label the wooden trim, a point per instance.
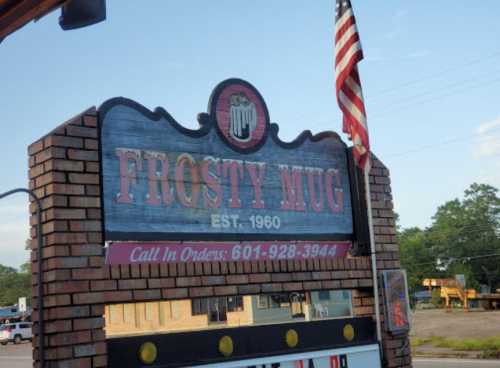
(23, 12)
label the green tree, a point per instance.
(14, 284)
(463, 231)
(417, 257)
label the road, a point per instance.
(19, 356)
(455, 363)
(16, 356)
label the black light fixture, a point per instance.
(81, 13)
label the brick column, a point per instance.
(64, 172)
(396, 349)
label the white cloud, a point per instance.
(488, 139)
(488, 126)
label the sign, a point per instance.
(175, 252)
(352, 357)
(460, 279)
(397, 309)
(230, 179)
(21, 304)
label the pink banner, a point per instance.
(186, 252)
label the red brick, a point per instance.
(35, 147)
(92, 167)
(88, 323)
(132, 284)
(74, 154)
(149, 294)
(249, 289)
(68, 287)
(87, 250)
(85, 225)
(61, 325)
(69, 312)
(281, 277)
(50, 177)
(70, 338)
(271, 288)
(83, 178)
(100, 285)
(102, 297)
(237, 279)
(91, 144)
(259, 278)
(67, 262)
(65, 214)
(213, 280)
(177, 293)
(69, 189)
(64, 165)
(36, 171)
(50, 153)
(89, 274)
(161, 283)
(90, 120)
(65, 238)
(197, 292)
(225, 290)
(188, 281)
(62, 141)
(76, 131)
(292, 286)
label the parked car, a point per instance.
(15, 332)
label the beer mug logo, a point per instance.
(243, 117)
(240, 114)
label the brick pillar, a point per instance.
(396, 349)
(64, 172)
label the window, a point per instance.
(235, 304)
(24, 325)
(199, 306)
(324, 295)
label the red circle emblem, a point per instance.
(240, 113)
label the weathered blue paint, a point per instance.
(127, 125)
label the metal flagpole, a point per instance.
(373, 254)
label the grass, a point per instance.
(489, 347)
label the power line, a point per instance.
(438, 73)
(447, 142)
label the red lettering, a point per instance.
(154, 177)
(180, 186)
(233, 169)
(212, 182)
(128, 172)
(316, 205)
(257, 180)
(335, 201)
(291, 184)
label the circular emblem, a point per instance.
(240, 113)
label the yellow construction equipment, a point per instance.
(451, 290)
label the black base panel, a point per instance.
(201, 347)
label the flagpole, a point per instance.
(373, 253)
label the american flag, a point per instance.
(348, 53)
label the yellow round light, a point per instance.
(292, 338)
(148, 353)
(226, 346)
(348, 332)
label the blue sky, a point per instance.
(430, 76)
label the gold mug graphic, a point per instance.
(243, 117)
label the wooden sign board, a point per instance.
(231, 179)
